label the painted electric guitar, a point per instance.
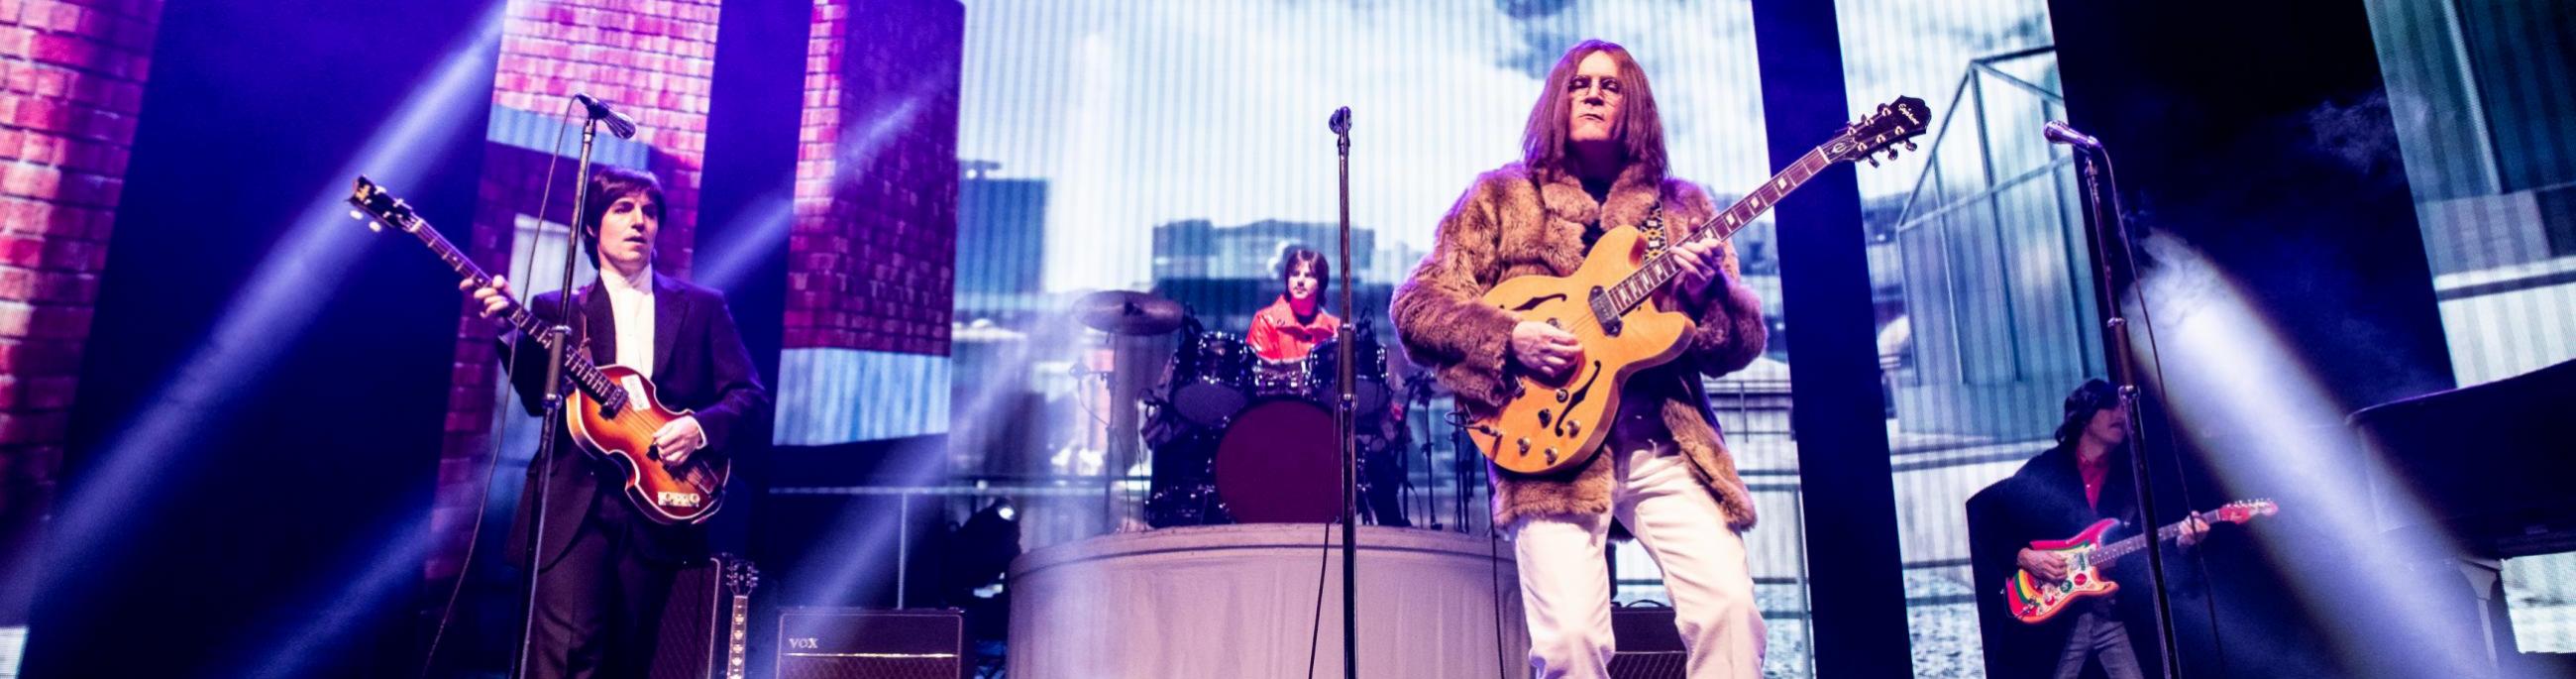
(2034, 599)
(1610, 305)
(613, 412)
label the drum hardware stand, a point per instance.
(1456, 418)
(1430, 468)
(1126, 317)
(1125, 438)
(1343, 420)
(1417, 392)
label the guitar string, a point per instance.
(1587, 329)
(1760, 204)
(631, 430)
(447, 251)
(1588, 326)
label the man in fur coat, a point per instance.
(1593, 160)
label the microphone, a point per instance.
(2058, 132)
(618, 124)
(1341, 122)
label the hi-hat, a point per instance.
(1127, 312)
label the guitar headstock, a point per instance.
(740, 576)
(1894, 122)
(378, 207)
(2242, 511)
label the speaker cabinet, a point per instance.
(1649, 646)
(854, 643)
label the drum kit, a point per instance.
(1240, 439)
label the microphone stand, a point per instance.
(567, 318)
(1431, 463)
(1343, 419)
(2103, 231)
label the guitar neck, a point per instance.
(2134, 543)
(1627, 294)
(576, 366)
(734, 649)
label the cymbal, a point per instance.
(1127, 312)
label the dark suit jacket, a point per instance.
(699, 364)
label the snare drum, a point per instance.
(1210, 371)
(1290, 379)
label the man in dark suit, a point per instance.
(2084, 479)
(606, 569)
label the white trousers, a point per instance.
(1565, 583)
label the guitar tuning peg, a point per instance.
(1873, 161)
(1909, 145)
(375, 226)
(1891, 154)
(356, 215)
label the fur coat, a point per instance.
(1512, 223)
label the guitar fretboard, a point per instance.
(577, 365)
(734, 647)
(1633, 290)
(2136, 542)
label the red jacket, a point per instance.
(1276, 334)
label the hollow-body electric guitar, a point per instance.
(2034, 599)
(613, 411)
(1555, 423)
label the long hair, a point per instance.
(1294, 255)
(2093, 396)
(1640, 125)
(607, 184)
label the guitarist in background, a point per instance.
(606, 570)
(2086, 478)
(1593, 160)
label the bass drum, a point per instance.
(1276, 464)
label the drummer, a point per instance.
(1291, 327)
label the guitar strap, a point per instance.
(576, 312)
(1655, 241)
(1654, 228)
(580, 302)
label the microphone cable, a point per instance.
(492, 467)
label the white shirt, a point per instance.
(630, 308)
